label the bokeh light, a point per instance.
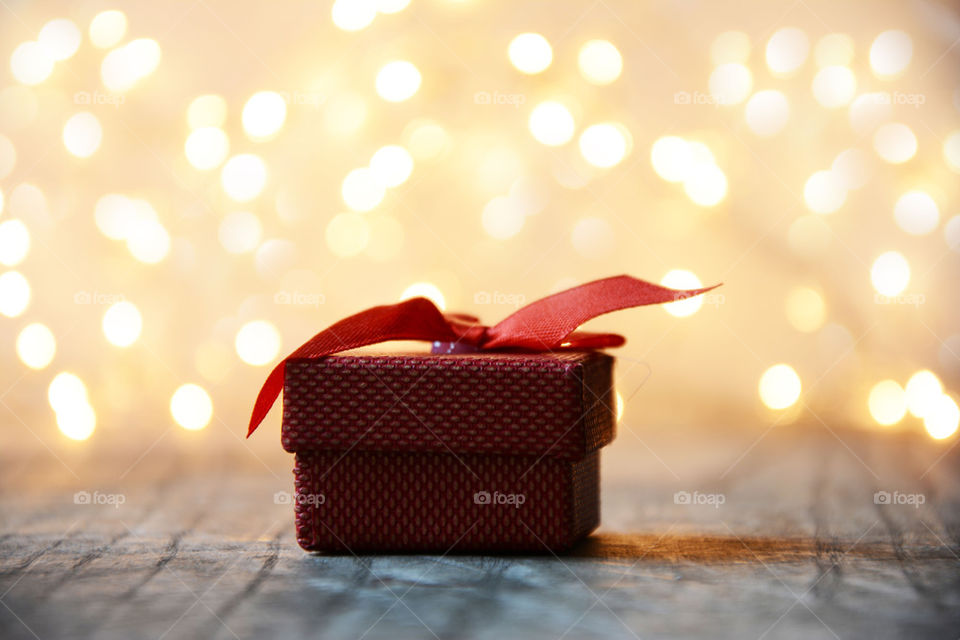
(82, 134)
(362, 190)
(551, 123)
(603, 145)
(209, 110)
(14, 242)
(682, 279)
(502, 218)
(730, 46)
(66, 390)
(344, 114)
(916, 213)
(426, 290)
(60, 38)
(895, 142)
(125, 66)
(347, 234)
(14, 294)
(951, 151)
(427, 140)
(148, 241)
(779, 387)
(942, 417)
(671, 158)
(257, 342)
(30, 63)
(834, 49)
(191, 407)
(890, 273)
(353, 15)
(398, 81)
(890, 53)
(243, 177)
(530, 53)
(8, 160)
(391, 165)
(78, 422)
(113, 215)
(67, 395)
(593, 238)
(36, 345)
(600, 62)
(206, 148)
(264, 115)
(806, 309)
(730, 83)
(824, 192)
(834, 86)
(122, 323)
(887, 402)
(240, 232)
(787, 50)
(108, 28)
(809, 236)
(922, 390)
(705, 184)
(767, 112)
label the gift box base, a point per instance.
(443, 502)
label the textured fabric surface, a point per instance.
(486, 451)
(376, 501)
(557, 405)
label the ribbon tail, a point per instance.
(267, 396)
(415, 319)
(547, 323)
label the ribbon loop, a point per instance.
(547, 324)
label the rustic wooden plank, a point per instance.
(798, 548)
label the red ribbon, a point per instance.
(549, 324)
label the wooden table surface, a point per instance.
(798, 548)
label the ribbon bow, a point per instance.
(549, 324)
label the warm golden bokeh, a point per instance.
(183, 202)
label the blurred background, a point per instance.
(190, 190)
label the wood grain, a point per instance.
(798, 548)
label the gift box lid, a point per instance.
(539, 404)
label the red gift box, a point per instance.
(471, 452)
(489, 444)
